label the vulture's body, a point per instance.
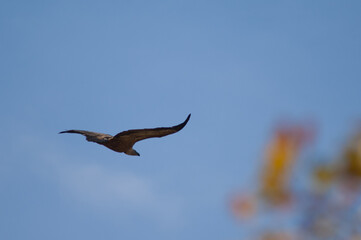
(124, 141)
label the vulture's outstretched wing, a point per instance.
(92, 136)
(141, 134)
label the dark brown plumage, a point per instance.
(124, 141)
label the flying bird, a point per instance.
(123, 142)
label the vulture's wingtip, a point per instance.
(180, 126)
(189, 116)
(67, 131)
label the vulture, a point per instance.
(123, 142)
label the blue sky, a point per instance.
(109, 66)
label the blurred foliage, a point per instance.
(281, 154)
(328, 206)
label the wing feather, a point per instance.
(141, 134)
(92, 136)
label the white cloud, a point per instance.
(98, 186)
(101, 188)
